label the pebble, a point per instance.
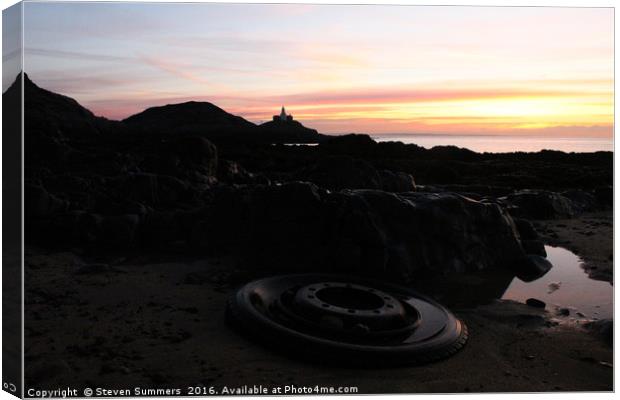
(535, 303)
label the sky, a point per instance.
(338, 69)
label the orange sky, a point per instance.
(339, 69)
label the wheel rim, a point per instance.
(346, 318)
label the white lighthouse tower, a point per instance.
(283, 117)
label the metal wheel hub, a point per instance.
(346, 318)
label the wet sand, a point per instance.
(149, 322)
(590, 236)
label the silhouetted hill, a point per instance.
(290, 132)
(208, 120)
(189, 116)
(60, 117)
(52, 114)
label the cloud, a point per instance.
(412, 95)
(75, 55)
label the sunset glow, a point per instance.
(338, 69)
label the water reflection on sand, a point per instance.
(566, 285)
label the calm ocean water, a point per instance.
(503, 144)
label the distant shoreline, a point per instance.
(503, 144)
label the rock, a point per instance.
(526, 229)
(339, 172)
(153, 189)
(553, 286)
(233, 172)
(349, 144)
(477, 191)
(196, 151)
(396, 181)
(582, 201)
(118, 231)
(603, 328)
(343, 172)
(297, 227)
(534, 247)
(540, 204)
(161, 228)
(39, 203)
(289, 131)
(535, 303)
(532, 268)
(563, 311)
(604, 195)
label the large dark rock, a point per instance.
(118, 232)
(152, 189)
(526, 229)
(232, 172)
(539, 204)
(603, 328)
(299, 227)
(195, 151)
(532, 268)
(604, 195)
(396, 181)
(535, 247)
(38, 202)
(581, 200)
(353, 144)
(340, 172)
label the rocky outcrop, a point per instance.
(339, 172)
(546, 205)
(299, 226)
(288, 132)
(581, 201)
(539, 204)
(396, 181)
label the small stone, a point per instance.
(563, 311)
(532, 302)
(553, 286)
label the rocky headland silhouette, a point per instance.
(186, 173)
(188, 181)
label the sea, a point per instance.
(503, 144)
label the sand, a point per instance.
(590, 236)
(158, 321)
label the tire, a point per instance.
(429, 332)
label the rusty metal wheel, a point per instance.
(346, 320)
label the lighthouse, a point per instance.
(283, 117)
